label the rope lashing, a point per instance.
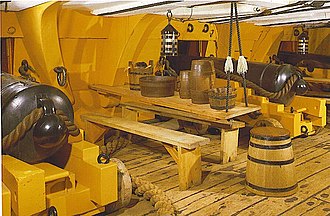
(26, 124)
(18, 133)
(242, 66)
(73, 129)
(229, 66)
(272, 95)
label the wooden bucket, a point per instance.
(157, 86)
(184, 91)
(141, 69)
(217, 98)
(270, 167)
(201, 79)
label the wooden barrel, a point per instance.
(141, 69)
(201, 79)
(217, 98)
(270, 167)
(184, 91)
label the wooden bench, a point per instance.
(229, 128)
(185, 149)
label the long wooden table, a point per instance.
(132, 103)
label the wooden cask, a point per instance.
(184, 91)
(201, 80)
(270, 167)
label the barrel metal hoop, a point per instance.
(286, 162)
(271, 189)
(277, 138)
(140, 73)
(222, 97)
(270, 146)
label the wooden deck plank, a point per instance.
(324, 195)
(223, 191)
(237, 204)
(302, 172)
(307, 207)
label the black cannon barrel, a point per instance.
(19, 97)
(271, 77)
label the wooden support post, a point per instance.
(129, 114)
(228, 145)
(94, 133)
(189, 167)
(172, 151)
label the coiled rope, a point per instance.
(116, 143)
(26, 124)
(151, 192)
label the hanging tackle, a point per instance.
(242, 66)
(229, 67)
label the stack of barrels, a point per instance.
(197, 82)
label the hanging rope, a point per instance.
(229, 66)
(242, 66)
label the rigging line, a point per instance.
(263, 15)
(294, 22)
(254, 14)
(249, 14)
(138, 8)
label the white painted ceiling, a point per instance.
(260, 12)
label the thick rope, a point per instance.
(272, 95)
(21, 129)
(73, 129)
(242, 66)
(229, 66)
(151, 192)
(25, 125)
(116, 143)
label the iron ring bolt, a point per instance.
(103, 158)
(52, 211)
(61, 75)
(304, 130)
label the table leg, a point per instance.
(228, 145)
(129, 114)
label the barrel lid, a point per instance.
(270, 133)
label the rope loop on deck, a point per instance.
(151, 192)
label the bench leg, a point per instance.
(94, 133)
(228, 145)
(189, 165)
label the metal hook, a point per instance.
(169, 15)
